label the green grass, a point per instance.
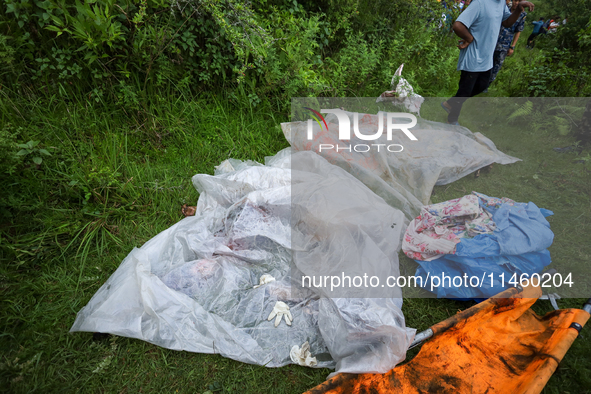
(116, 178)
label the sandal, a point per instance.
(446, 109)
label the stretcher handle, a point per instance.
(586, 305)
(421, 337)
(453, 320)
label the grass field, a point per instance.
(115, 179)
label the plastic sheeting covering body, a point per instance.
(192, 286)
(441, 154)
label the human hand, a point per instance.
(281, 309)
(510, 52)
(462, 44)
(525, 4)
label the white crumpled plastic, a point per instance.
(402, 93)
(191, 286)
(198, 285)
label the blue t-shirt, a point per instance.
(483, 18)
(537, 26)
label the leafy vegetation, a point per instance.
(559, 65)
(131, 50)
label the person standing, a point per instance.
(553, 26)
(478, 28)
(538, 25)
(506, 42)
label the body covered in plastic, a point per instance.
(404, 178)
(197, 285)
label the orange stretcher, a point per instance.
(497, 346)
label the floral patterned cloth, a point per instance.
(495, 202)
(440, 227)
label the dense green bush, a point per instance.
(80, 81)
(132, 51)
(561, 64)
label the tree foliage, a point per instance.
(130, 50)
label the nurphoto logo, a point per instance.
(345, 130)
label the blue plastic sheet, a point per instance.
(516, 249)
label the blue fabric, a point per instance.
(483, 18)
(537, 26)
(518, 246)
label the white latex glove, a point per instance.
(281, 309)
(266, 278)
(302, 356)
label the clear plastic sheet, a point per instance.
(402, 93)
(192, 286)
(441, 154)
